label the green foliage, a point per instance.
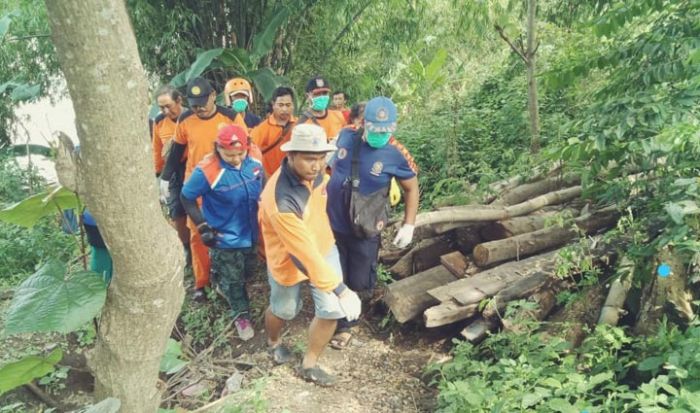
(171, 361)
(54, 299)
(29, 211)
(55, 380)
(21, 249)
(15, 183)
(636, 115)
(21, 372)
(610, 372)
(28, 65)
(206, 323)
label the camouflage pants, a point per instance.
(229, 270)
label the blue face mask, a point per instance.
(320, 103)
(239, 105)
(378, 139)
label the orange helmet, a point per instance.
(237, 85)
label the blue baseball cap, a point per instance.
(380, 115)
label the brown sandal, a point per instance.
(341, 340)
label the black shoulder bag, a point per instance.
(369, 213)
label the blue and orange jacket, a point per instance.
(229, 198)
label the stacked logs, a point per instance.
(470, 261)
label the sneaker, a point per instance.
(244, 328)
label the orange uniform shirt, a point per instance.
(200, 134)
(163, 132)
(267, 137)
(296, 230)
(332, 123)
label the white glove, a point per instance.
(404, 236)
(164, 189)
(350, 304)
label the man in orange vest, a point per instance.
(275, 131)
(301, 250)
(169, 101)
(339, 102)
(196, 133)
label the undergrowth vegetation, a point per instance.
(612, 371)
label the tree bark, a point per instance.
(615, 302)
(425, 254)
(456, 263)
(448, 312)
(520, 289)
(495, 189)
(408, 298)
(520, 225)
(97, 51)
(527, 244)
(487, 283)
(532, 104)
(668, 295)
(527, 191)
(476, 213)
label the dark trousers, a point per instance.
(229, 270)
(358, 258)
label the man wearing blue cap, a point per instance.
(366, 161)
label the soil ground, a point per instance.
(382, 370)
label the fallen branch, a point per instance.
(495, 213)
(615, 301)
(527, 191)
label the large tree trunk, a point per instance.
(97, 51)
(532, 105)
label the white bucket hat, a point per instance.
(308, 138)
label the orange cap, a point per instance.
(237, 85)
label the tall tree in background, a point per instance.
(505, 17)
(97, 52)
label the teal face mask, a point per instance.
(239, 105)
(378, 139)
(320, 103)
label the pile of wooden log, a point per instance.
(470, 261)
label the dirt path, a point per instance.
(373, 376)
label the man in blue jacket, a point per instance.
(229, 181)
(380, 159)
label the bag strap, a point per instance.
(355, 163)
(285, 131)
(306, 116)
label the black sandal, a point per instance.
(317, 376)
(281, 354)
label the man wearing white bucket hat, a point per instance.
(300, 247)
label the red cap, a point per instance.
(232, 137)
